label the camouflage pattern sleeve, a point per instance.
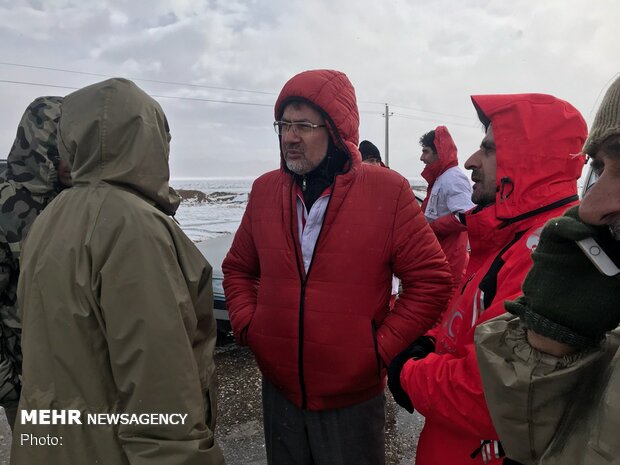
(5, 269)
(9, 272)
(10, 351)
(29, 183)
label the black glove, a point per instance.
(565, 297)
(418, 349)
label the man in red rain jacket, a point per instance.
(525, 173)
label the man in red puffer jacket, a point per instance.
(307, 279)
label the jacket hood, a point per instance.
(112, 132)
(447, 153)
(334, 96)
(538, 142)
(33, 159)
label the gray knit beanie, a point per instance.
(607, 120)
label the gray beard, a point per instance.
(300, 167)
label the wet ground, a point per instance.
(5, 439)
(240, 425)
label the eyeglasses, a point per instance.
(301, 128)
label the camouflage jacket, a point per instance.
(28, 184)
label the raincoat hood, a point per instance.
(113, 132)
(538, 141)
(334, 95)
(447, 153)
(33, 160)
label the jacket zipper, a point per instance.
(302, 382)
(302, 298)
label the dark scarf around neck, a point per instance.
(314, 183)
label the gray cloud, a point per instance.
(415, 54)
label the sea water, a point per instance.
(221, 210)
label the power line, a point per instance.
(401, 115)
(203, 86)
(233, 102)
(372, 103)
(187, 84)
(431, 112)
(35, 84)
(198, 99)
(421, 110)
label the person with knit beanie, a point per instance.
(370, 153)
(601, 204)
(551, 366)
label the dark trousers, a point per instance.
(347, 436)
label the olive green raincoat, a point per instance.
(115, 300)
(549, 410)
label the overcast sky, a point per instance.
(424, 58)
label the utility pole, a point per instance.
(387, 115)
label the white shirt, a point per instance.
(451, 193)
(309, 226)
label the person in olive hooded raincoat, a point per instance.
(115, 300)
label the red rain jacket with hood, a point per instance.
(324, 337)
(450, 232)
(538, 139)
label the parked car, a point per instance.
(590, 179)
(215, 250)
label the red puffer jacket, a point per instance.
(323, 338)
(537, 138)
